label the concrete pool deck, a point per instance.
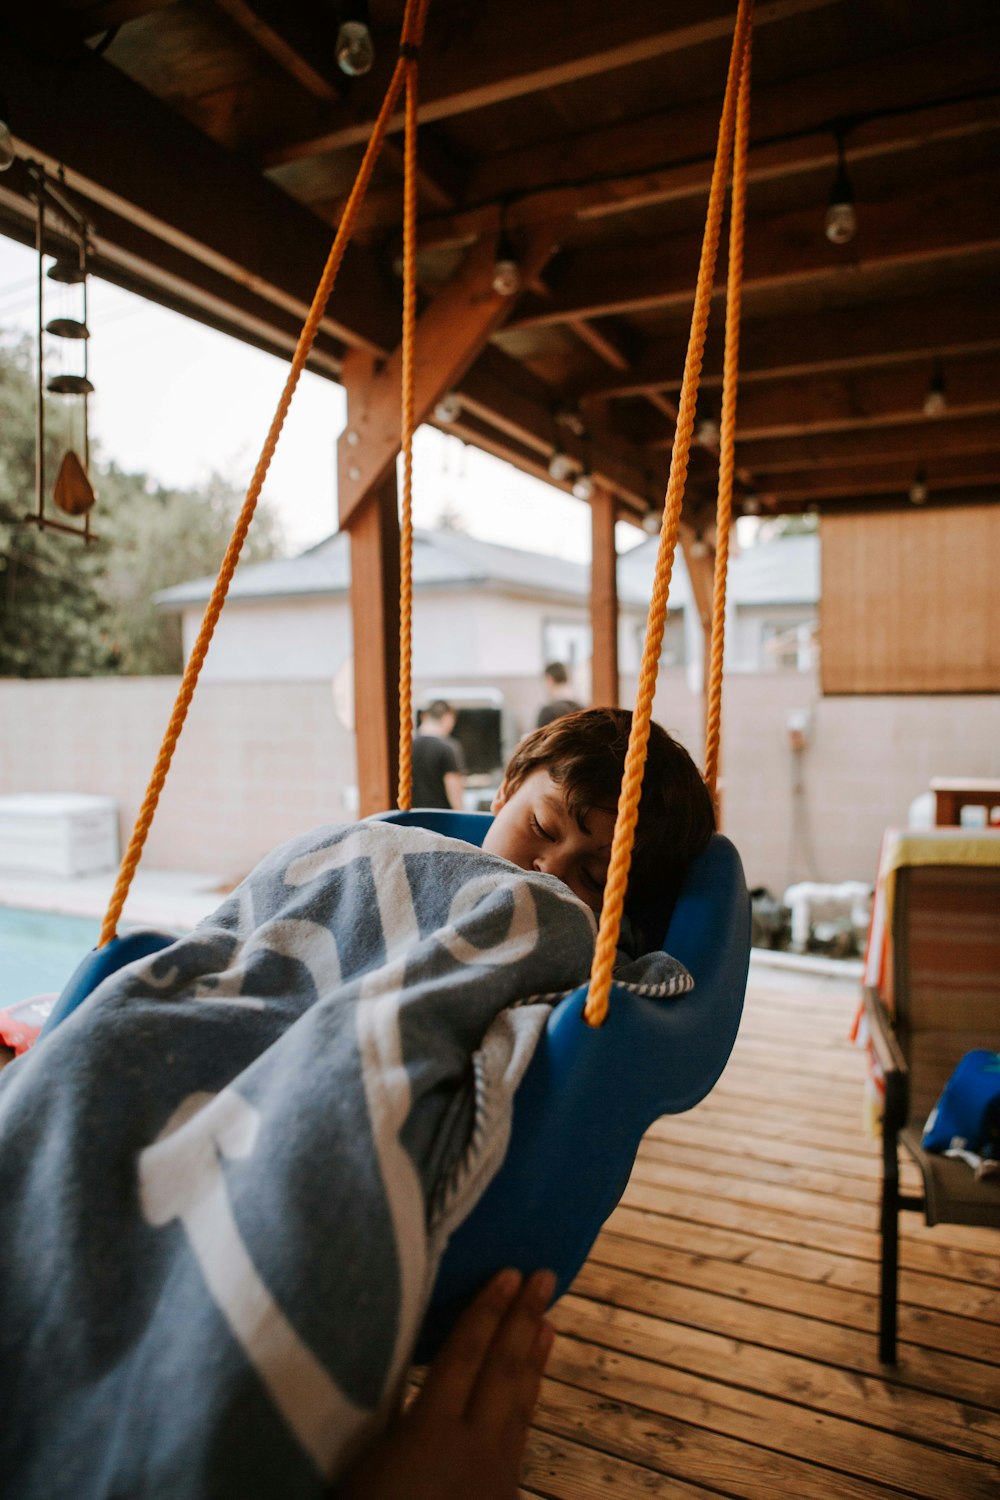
(178, 899)
(174, 899)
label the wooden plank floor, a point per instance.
(721, 1338)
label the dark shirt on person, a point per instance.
(433, 758)
(556, 710)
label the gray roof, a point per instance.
(440, 559)
(782, 571)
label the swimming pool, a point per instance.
(39, 950)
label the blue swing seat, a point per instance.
(588, 1095)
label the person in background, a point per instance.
(556, 680)
(438, 763)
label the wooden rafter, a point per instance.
(868, 398)
(164, 175)
(923, 439)
(845, 338)
(945, 219)
(607, 194)
(493, 63)
(881, 477)
(672, 151)
(450, 334)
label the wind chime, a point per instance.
(64, 340)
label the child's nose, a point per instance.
(552, 862)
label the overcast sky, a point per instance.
(177, 400)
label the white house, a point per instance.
(491, 615)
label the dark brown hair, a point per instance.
(584, 753)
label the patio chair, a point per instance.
(945, 1001)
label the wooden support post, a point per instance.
(603, 601)
(374, 533)
(450, 334)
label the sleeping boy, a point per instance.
(227, 1178)
(555, 809)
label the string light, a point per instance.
(6, 139)
(561, 466)
(841, 216)
(583, 486)
(935, 400)
(506, 271)
(355, 51)
(651, 522)
(918, 489)
(448, 408)
(707, 432)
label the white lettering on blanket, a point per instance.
(181, 1177)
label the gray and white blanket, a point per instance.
(226, 1181)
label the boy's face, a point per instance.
(534, 829)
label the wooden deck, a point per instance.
(721, 1338)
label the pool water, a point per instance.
(39, 951)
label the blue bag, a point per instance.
(967, 1115)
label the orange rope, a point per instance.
(727, 444)
(412, 33)
(404, 794)
(596, 1007)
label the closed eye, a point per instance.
(539, 829)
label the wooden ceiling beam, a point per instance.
(92, 17)
(450, 333)
(790, 122)
(945, 219)
(866, 399)
(127, 256)
(495, 61)
(892, 500)
(132, 155)
(612, 194)
(301, 40)
(915, 441)
(946, 324)
(877, 477)
(496, 392)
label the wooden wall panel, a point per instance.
(909, 601)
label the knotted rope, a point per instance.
(596, 1007)
(413, 25)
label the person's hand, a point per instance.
(464, 1433)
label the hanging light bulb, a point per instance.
(561, 467)
(935, 400)
(707, 432)
(583, 485)
(506, 271)
(571, 418)
(651, 522)
(841, 217)
(918, 489)
(355, 50)
(448, 409)
(6, 139)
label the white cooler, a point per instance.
(64, 833)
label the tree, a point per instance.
(50, 609)
(71, 610)
(158, 537)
